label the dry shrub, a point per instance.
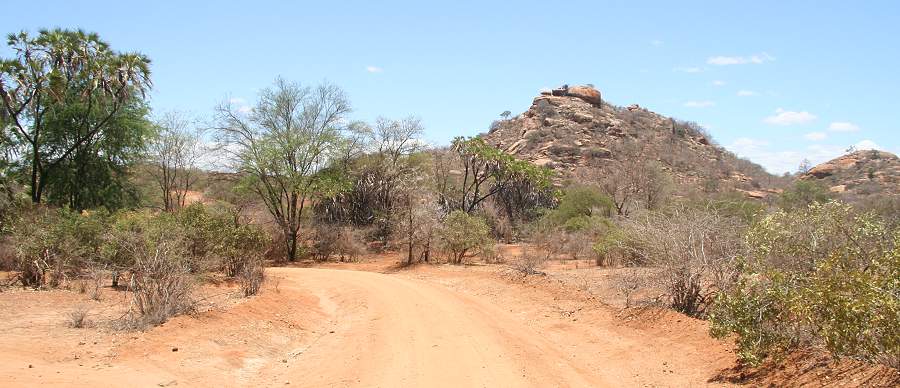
(161, 282)
(694, 249)
(342, 241)
(77, 318)
(251, 277)
(530, 262)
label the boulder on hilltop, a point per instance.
(587, 93)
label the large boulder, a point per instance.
(586, 93)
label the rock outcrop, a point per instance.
(586, 93)
(570, 129)
(859, 173)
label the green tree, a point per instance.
(71, 76)
(97, 173)
(461, 233)
(290, 149)
(487, 171)
(581, 201)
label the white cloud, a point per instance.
(839, 126)
(374, 69)
(759, 151)
(786, 117)
(754, 59)
(816, 136)
(747, 93)
(867, 145)
(699, 104)
(718, 83)
(779, 162)
(688, 69)
(242, 106)
(656, 42)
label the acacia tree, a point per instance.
(56, 70)
(287, 149)
(174, 153)
(487, 171)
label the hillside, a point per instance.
(859, 173)
(571, 130)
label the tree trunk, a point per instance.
(35, 178)
(291, 240)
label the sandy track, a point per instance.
(428, 327)
(393, 332)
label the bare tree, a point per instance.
(174, 153)
(653, 183)
(632, 183)
(287, 147)
(417, 222)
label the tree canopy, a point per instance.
(71, 100)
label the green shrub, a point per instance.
(804, 193)
(580, 202)
(54, 245)
(462, 233)
(823, 276)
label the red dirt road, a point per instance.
(430, 327)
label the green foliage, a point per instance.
(215, 239)
(820, 276)
(65, 94)
(52, 245)
(96, 174)
(461, 233)
(732, 204)
(291, 149)
(612, 247)
(488, 171)
(803, 193)
(579, 208)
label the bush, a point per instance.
(804, 193)
(530, 262)
(694, 251)
(77, 318)
(161, 281)
(581, 202)
(334, 240)
(822, 276)
(251, 277)
(54, 245)
(462, 233)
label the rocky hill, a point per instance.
(572, 130)
(859, 173)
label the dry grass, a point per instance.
(77, 318)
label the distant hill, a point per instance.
(571, 129)
(859, 174)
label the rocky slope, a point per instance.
(859, 173)
(571, 130)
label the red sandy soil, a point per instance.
(373, 323)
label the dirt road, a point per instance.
(343, 328)
(393, 332)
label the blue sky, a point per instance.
(774, 81)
